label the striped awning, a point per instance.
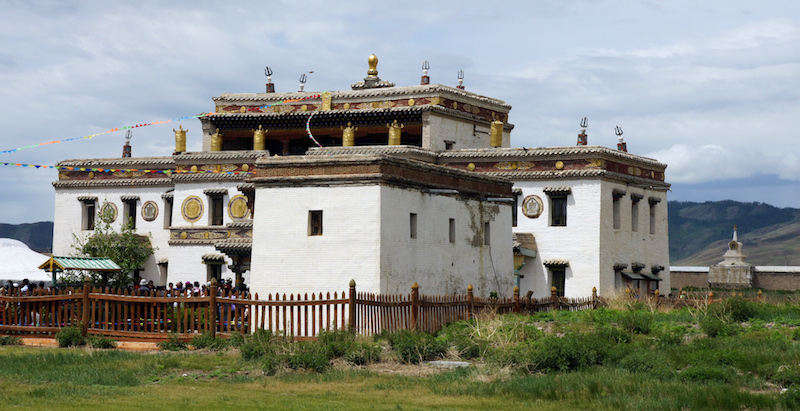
(80, 263)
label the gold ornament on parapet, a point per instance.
(595, 163)
(559, 165)
(411, 102)
(348, 135)
(216, 141)
(326, 101)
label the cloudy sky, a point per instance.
(712, 88)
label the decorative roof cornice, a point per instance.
(241, 224)
(414, 152)
(190, 177)
(244, 155)
(131, 182)
(421, 90)
(578, 151)
(234, 244)
(118, 162)
(215, 191)
(582, 173)
(245, 187)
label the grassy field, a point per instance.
(730, 355)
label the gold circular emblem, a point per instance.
(193, 169)
(149, 211)
(91, 175)
(237, 207)
(411, 102)
(304, 108)
(242, 109)
(192, 209)
(184, 235)
(108, 212)
(346, 106)
(471, 166)
(245, 167)
(455, 105)
(559, 165)
(532, 206)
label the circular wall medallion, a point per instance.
(559, 165)
(192, 209)
(532, 206)
(149, 211)
(245, 167)
(411, 102)
(471, 166)
(193, 169)
(346, 106)
(237, 207)
(108, 212)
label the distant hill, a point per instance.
(699, 232)
(37, 236)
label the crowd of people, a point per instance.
(225, 287)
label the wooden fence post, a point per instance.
(594, 298)
(212, 307)
(414, 306)
(351, 316)
(760, 295)
(471, 302)
(516, 299)
(554, 297)
(710, 297)
(85, 307)
(657, 294)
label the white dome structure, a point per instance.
(18, 261)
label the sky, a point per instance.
(711, 88)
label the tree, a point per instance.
(129, 250)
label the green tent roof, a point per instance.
(80, 263)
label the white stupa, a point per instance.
(18, 262)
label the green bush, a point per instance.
(739, 309)
(10, 340)
(256, 345)
(613, 334)
(70, 337)
(716, 326)
(236, 340)
(637, 322)
(787, 375)
(309, 355)
(337, 342)
(569, 353)
(670, 335)
(796, 334)
(708, 373)
(205, 340)
(363, 353)
(102, 342)
(272, 362)
(173, 343)
(415, 346)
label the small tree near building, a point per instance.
(129, 250)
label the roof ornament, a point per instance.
(372, 80)
(622, 145)
(303, 80)
(270, 86)
(126, 149)
(425, 78)
(583, 137)
(460, 85)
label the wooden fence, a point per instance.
(155, 316)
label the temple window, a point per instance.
(558, 277)
(167, 209)
(653, 202)
(617, 195)
(315, 222)
(412, 221)
(216, 205)
(487, 238)
(88, 212)
(635, 211)
(129, 210)
(452, 230)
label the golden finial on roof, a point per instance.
(373, 66)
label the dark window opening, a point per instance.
(412, 219)
(315, 222)
(452, 230)
(558, 277)
(558, 210)
(217, 209)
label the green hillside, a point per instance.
(699, 232)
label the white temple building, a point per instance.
(304, 191)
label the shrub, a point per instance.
(173, 343)
(739, 309)
(70, 337)
(363, 353)
(708, 373)
(714, 326)
(257, 344)
(10, 340)
(337, 342)
(796, 334)
(205, 340)
(637, 322)
(415, 346)
(102, 342)
(272, 362)
(569, 353)
(670, 335)
(236, 340)
(613, 334)
(309, 355)
(787, 375)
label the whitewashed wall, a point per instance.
(437, 265)
(286, 259)
(623, 245)
(437, 128)
(68, 219)
(577, 242)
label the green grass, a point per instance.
(632, 358)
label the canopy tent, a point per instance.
(57, 264)
(18, 262)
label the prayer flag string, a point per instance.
(123, 170)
